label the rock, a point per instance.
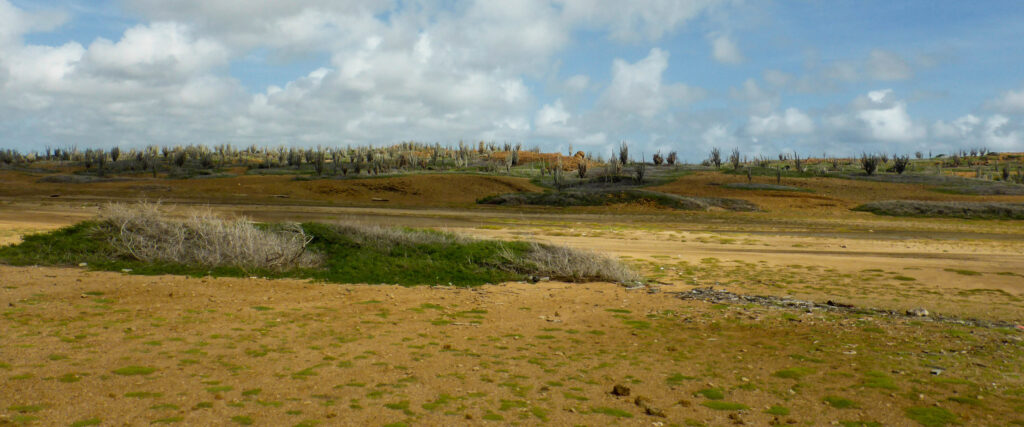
(654, 412)
(684, 403)
(620, 390)
(642, 402)
(83, 264)
(937, 371)
(917, 312)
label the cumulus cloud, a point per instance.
(1010, 101)
(635, 20)
(758, 100)
(160, 51)
(637, 88)
(790, 122)
(887, 66)
(997, 132)
(724, 49)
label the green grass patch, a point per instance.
(777, 410)
(134, 370)
(618, 413)
(87, 422)
(930, 416)
(244, 420)
(793, 373)
(839, 402)
(719, 405)
(711, 393)
(963, 272)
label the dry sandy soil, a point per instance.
(78, 345)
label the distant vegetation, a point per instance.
(144, 239)
(612, 197)
(555, 169)
(979, 210)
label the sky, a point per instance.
(835, 77)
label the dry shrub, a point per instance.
(566, 263)
(147, 233)
(388, 237)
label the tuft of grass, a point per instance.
(87, 422)
(963, 272)
(839, 402)
(134, 370)
(793, 373)
(618, 413)
(930, 416)
(719, 405)
(777, 410)
(711, 393)
(244, 420)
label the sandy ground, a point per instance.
(131, 350)
(84, 346)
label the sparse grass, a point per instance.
(620, 196)
(618, 413)
(839, 402)
(971, 210)
(793, 373)
(719, 405)
(963, 272)
(929, 416)
(134, 370)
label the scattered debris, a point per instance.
(721, 296)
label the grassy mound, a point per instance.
(978, 210)
(613, 197)
(144, 240)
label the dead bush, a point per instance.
(147, 233)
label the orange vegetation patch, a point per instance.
(410, 190)
(824, 195)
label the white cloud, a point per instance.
(791, 122)
(637, 89)
(159, 51)
(887, 66)
(577, 83)
(15, 22)
(759, 101)
(635, 20)
(886, 119)
(552, 115)
(1010, 102)
(724, 49)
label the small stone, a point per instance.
(642, 402)
(654, 412)
(937, 371)
(83, 264)
(684, 403)
(917, 312)
(620, 390)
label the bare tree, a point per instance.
(716, 157)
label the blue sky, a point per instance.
(765, 76)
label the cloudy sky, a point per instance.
(835, 76)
